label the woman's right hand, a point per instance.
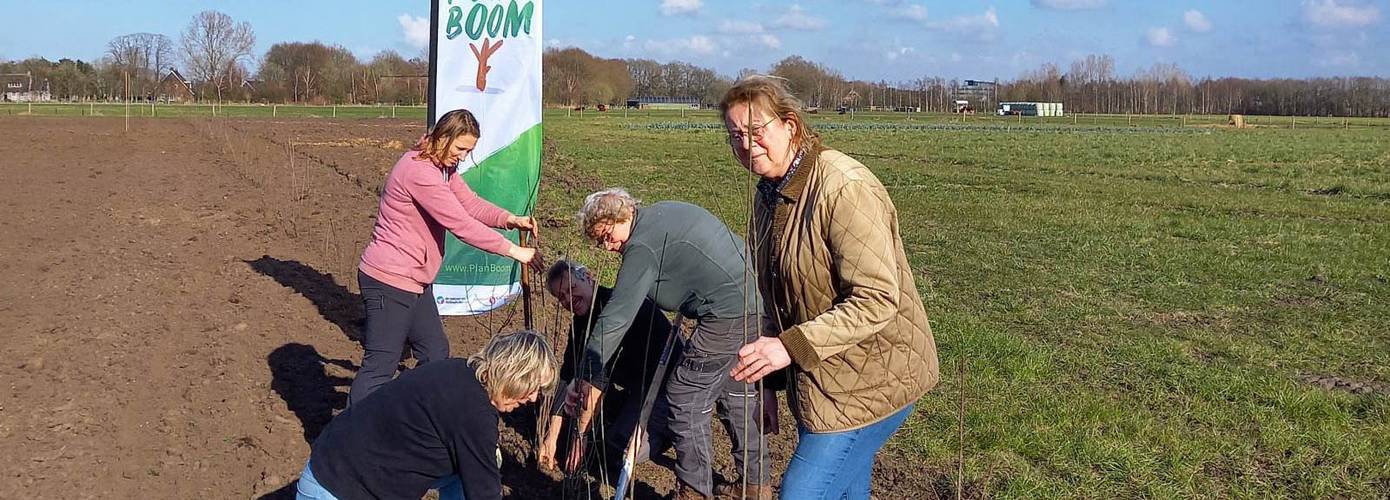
(545, 457)
(526, 255)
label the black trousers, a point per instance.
(698, 388)
(395, 318)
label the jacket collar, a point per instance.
(796, 184)
(790, 187)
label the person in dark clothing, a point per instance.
(633, 366)
(432, 427)
(683, 259)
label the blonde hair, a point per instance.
(610, 206)
(434, 146)
(514, 365)
(771, 93)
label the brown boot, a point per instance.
(685, 492)
(735, 491)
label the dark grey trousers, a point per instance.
(395, 318)
(699, 386)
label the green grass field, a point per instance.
(666, 117)
(1141, 312)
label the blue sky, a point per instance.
(894, 40)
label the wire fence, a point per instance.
(170, 110)
(695, 119)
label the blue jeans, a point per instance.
(450, 487)
(837, 465)
(309, 487)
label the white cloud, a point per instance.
(701, 44)
(768, 40)
(1161, 37)
(1025, 59)
(1339, 14)
(744, 33)
(680, 7)
(1196, 21)
(1069, 4)
(913, 12)
(796, 18)
(894, 53)
(735, 27)
(698, 45)
(984, 27)
(415, 29)
(1339, 60)
(989, 19)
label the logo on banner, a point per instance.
(485, 24)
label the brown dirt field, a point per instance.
(182, 305)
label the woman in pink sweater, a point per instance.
(422, 198)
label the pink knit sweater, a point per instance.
(420, 201)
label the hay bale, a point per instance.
(1237, 121)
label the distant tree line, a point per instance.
(214, 52)
(1090, 85)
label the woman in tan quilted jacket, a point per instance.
(848, 319)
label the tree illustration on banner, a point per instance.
(483, 56)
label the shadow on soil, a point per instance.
(286, 492)
(309, 383)
(335, 302)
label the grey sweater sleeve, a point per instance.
(635, 278)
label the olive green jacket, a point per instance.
(838, 285)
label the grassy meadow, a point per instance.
(1140, 309)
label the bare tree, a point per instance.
(213, 46)
(142, 55)
(644, 73)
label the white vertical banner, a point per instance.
(485, 56)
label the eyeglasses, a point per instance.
(737, 137)
(602, 239)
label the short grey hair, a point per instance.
(563, 269)
(609, 206)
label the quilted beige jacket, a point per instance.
(833, 270)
